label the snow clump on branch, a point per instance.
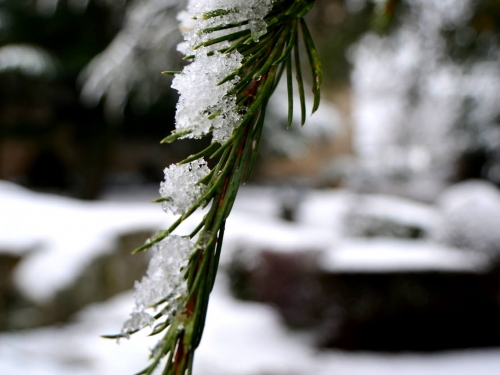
(164, 281)
(181, 186)
(203, 106)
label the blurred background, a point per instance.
(367, 242)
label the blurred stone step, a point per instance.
(411, 299)
(110, 273)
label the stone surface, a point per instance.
(107, 275)
(380, 310)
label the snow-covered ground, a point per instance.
(60, 236)
(241, 338)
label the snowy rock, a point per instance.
(389, 255)
(410, 311)
(286, 280)
(107, 274)
(377, 295)
(386, 216)
(471, 217)
(63, 236)
(72, 253)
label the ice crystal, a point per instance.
(137, 320)
(164, 281)
(258, 28)
(181, 186)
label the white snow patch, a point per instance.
(396, 209)
(471, 217)
(164, 280)
(181, 186)
(390, 255)
(203, 105)
(325, 209)
(68, 234)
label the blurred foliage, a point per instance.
(41, 97)
(335, 29)
(476, 38)
(338, 24)
(40, 106)
(73, 37)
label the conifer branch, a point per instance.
(248, 45)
